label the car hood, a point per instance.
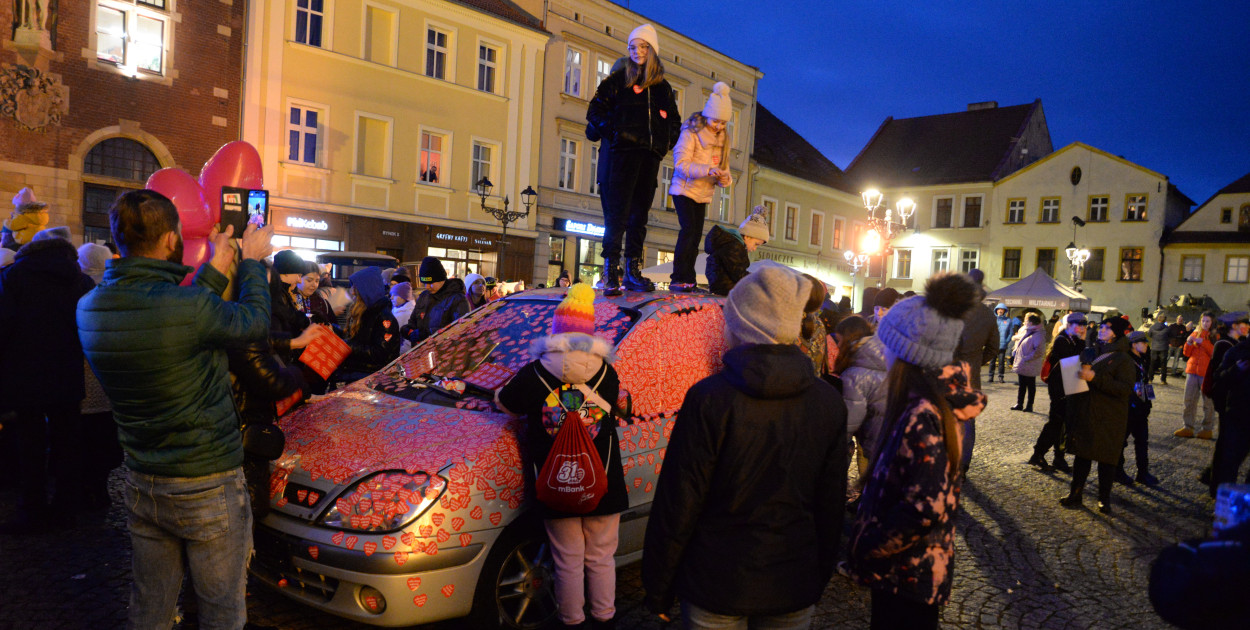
(351, 434)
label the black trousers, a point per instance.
(1231, 448)
(1106, 477)
(1139, 430)
(690, 215)
(1028, 385)
(1052, 432)
(631, 191)
(1158, 361)
(1000, 360)
(894, 612)
(49, 438)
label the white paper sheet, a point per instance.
(1068, 368)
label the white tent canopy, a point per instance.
(1039, 290)
(661, 273)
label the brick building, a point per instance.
(95, 96)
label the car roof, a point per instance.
(644, 303)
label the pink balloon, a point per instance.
(235, 164)
(195, 252)
(188, 198)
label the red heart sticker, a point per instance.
(495, 517)
(457, 523)
(388, 542)
(401, 557)
(408, 538)
(427, 531)
(663, 113)
(370, 547)
(465, 539)
(419, 600)
(312, 498)
(386, 323)
(414, 583)
(490, 494)
(387, 337)
(337, 538)
(443, 536)
(314, 552)
(302, 494)
(437, 519)
(281, 502)
(475, 514)
(448, 590)
(351, 540)
(637, 89)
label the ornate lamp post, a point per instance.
(1076, 260)
(504, 215)
(869, 245)
(889, 223)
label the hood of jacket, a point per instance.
(54, 259)
(966, 403)
(452, 286)
(719, 235)
(1006, 311)
(369, 285)
(572, 357)
(869, 354)
(769, 370)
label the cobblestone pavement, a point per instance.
(1022, 561)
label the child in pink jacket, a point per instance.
(700, 164)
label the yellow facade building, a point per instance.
(1209, 253)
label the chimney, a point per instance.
(972, 107)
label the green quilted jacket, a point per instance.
(159, 350)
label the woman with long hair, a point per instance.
(700, 164)
(903, 541)
(635, 109)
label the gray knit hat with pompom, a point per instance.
(924, 329)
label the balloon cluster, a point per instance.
(235, 164)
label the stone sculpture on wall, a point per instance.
(35, 99)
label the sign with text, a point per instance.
(579, 227)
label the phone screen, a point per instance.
(258, 207)
(240, 207)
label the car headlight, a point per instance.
(385, 501)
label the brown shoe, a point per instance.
(1184, 432)
(1205, 435)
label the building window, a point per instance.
(1135, 208)
(792, 218)
(902, 263)
(1093, 267)
(1130, 264)
(130, 36)
(487, 62)
(941, 260)
(942, 211)
(968, 260)
(380, 35)
(1046, 260)
(120, 160)
(1191, 268)
(432, 158)
(1226, 215)
(573, 71)
(594, 169)
(771, 207)
(731, 129)
(1011, 262)
(1098, 208)
(302, 133)
(568, 165)
(818, 226)
(309, 15)
(435, 53)
(1050, 210)
(677, 94)
(726, 203)
(373, 139)
(1236, 268)
(1015, 211)
(666, 175)
(972, 212)
(838, 226)
(482, 154)
(603, 68)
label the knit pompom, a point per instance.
(581, 293)
(950, 294)
(577, 312)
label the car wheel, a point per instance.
(516, 590)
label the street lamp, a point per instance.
(892, 222)
(504, 215)
(1076, 260)
(869, 245)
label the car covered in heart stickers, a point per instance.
(402, 499)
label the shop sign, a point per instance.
(781, 258)
(390, 233)
(463, 238)
(307, 224)
(580, 227)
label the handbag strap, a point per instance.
(587, 393)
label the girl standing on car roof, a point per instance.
(700, 164)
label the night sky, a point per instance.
(1163, 84)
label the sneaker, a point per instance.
(1184, 432)
(1017, 407)
(1147, 479)
(1205, 435)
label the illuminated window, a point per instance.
(568, 165)
(432, 158)
(573, 71)
(1130, 264)
(131, 35)
(1135, 208)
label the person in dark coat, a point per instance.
(978, 345)
(286, 321)
(1139, 405)
(1068, 343)
(1098, 419)
(603, 166)
(41, 375)
(1177, 332)
(308, 299)
(442, 302)
(747, 517)
(728, 250)
(634, 109)
(371, 330)
(1158, 335)
(572, 372)
(1230, 391)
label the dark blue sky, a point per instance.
(1165, 84)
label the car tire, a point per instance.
(516, 589)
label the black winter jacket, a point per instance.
(376, 342)
(1063, 347)
(433, 311)
(259, 380)
(747, 517)
(633, 120)
(1232, 385)
(727, 259)
(40, 354)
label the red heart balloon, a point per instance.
(188, 198)
(195, 252)
(235, 164)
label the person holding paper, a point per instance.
(1098, 419)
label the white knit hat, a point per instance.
(756, 225)
(767, 307)
(719, 104)
(646, 33)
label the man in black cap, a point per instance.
(1069, 343)
(881, 304)
(442, 302)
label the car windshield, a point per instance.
(485, 348)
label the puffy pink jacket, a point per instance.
(693, 157)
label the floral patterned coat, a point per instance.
(903, 540)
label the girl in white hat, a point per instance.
(635, 110)
(700, 164)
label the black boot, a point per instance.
(1073, 500)
(634, 280)
(612, 277)
(1060, 464)
(1039, 460)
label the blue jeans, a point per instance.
(205, 520)
(695, 618)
